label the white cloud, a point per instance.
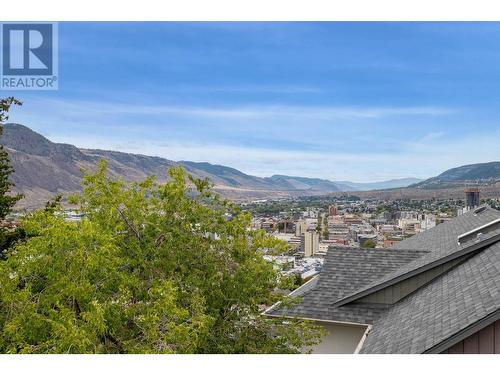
(78, 108)
(420, 160)
(311, 144)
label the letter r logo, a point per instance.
(27, 49)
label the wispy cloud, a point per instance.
(79, 108)
(254, 89)
(247, 137)
(420, 160)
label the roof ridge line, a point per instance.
(457, 254)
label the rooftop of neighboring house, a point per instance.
(417, 296)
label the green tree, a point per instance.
(7, 200)
(326, 234)
(318, 224)
(370, 244)
(151, 268)
(325, 227)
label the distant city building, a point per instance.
(310, 213)
(286, 226)
(269, 225)
(310, 243)
(332, 210)
(290, 238)
(323, 247)
(338, 233)
(428, 222)
(388, 242)
(351, 219)
(303, 225)
(471, 198)
(409, 226)
(335, 219)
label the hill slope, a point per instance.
(304, 183)
(481, 173)
(390, 184)
(227, 176)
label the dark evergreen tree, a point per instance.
(7, 200)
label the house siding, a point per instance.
(398, 291)
(340, 339)
(486, 341)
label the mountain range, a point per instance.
(481, 173)
(44, 168)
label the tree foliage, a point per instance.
(369, 244)
(326, 234)
(7, 201)
(151, 268)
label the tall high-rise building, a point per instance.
(332, 210)
(472, 198)
(300, 227)
(310, 243)
(303, 225)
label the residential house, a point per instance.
(436, 292)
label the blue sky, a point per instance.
(344, 101)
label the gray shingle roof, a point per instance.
(448, 305)
(345, 271)
(444, 236)
(441, 244)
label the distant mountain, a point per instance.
(292, 182)
(303, 183)
(44, 168)
(481, 173)
(227, 176)
(389, 184)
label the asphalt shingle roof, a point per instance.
(448, 305)
(345, 271)
(440, 242)
(444, 236)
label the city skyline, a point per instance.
(345, 101)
